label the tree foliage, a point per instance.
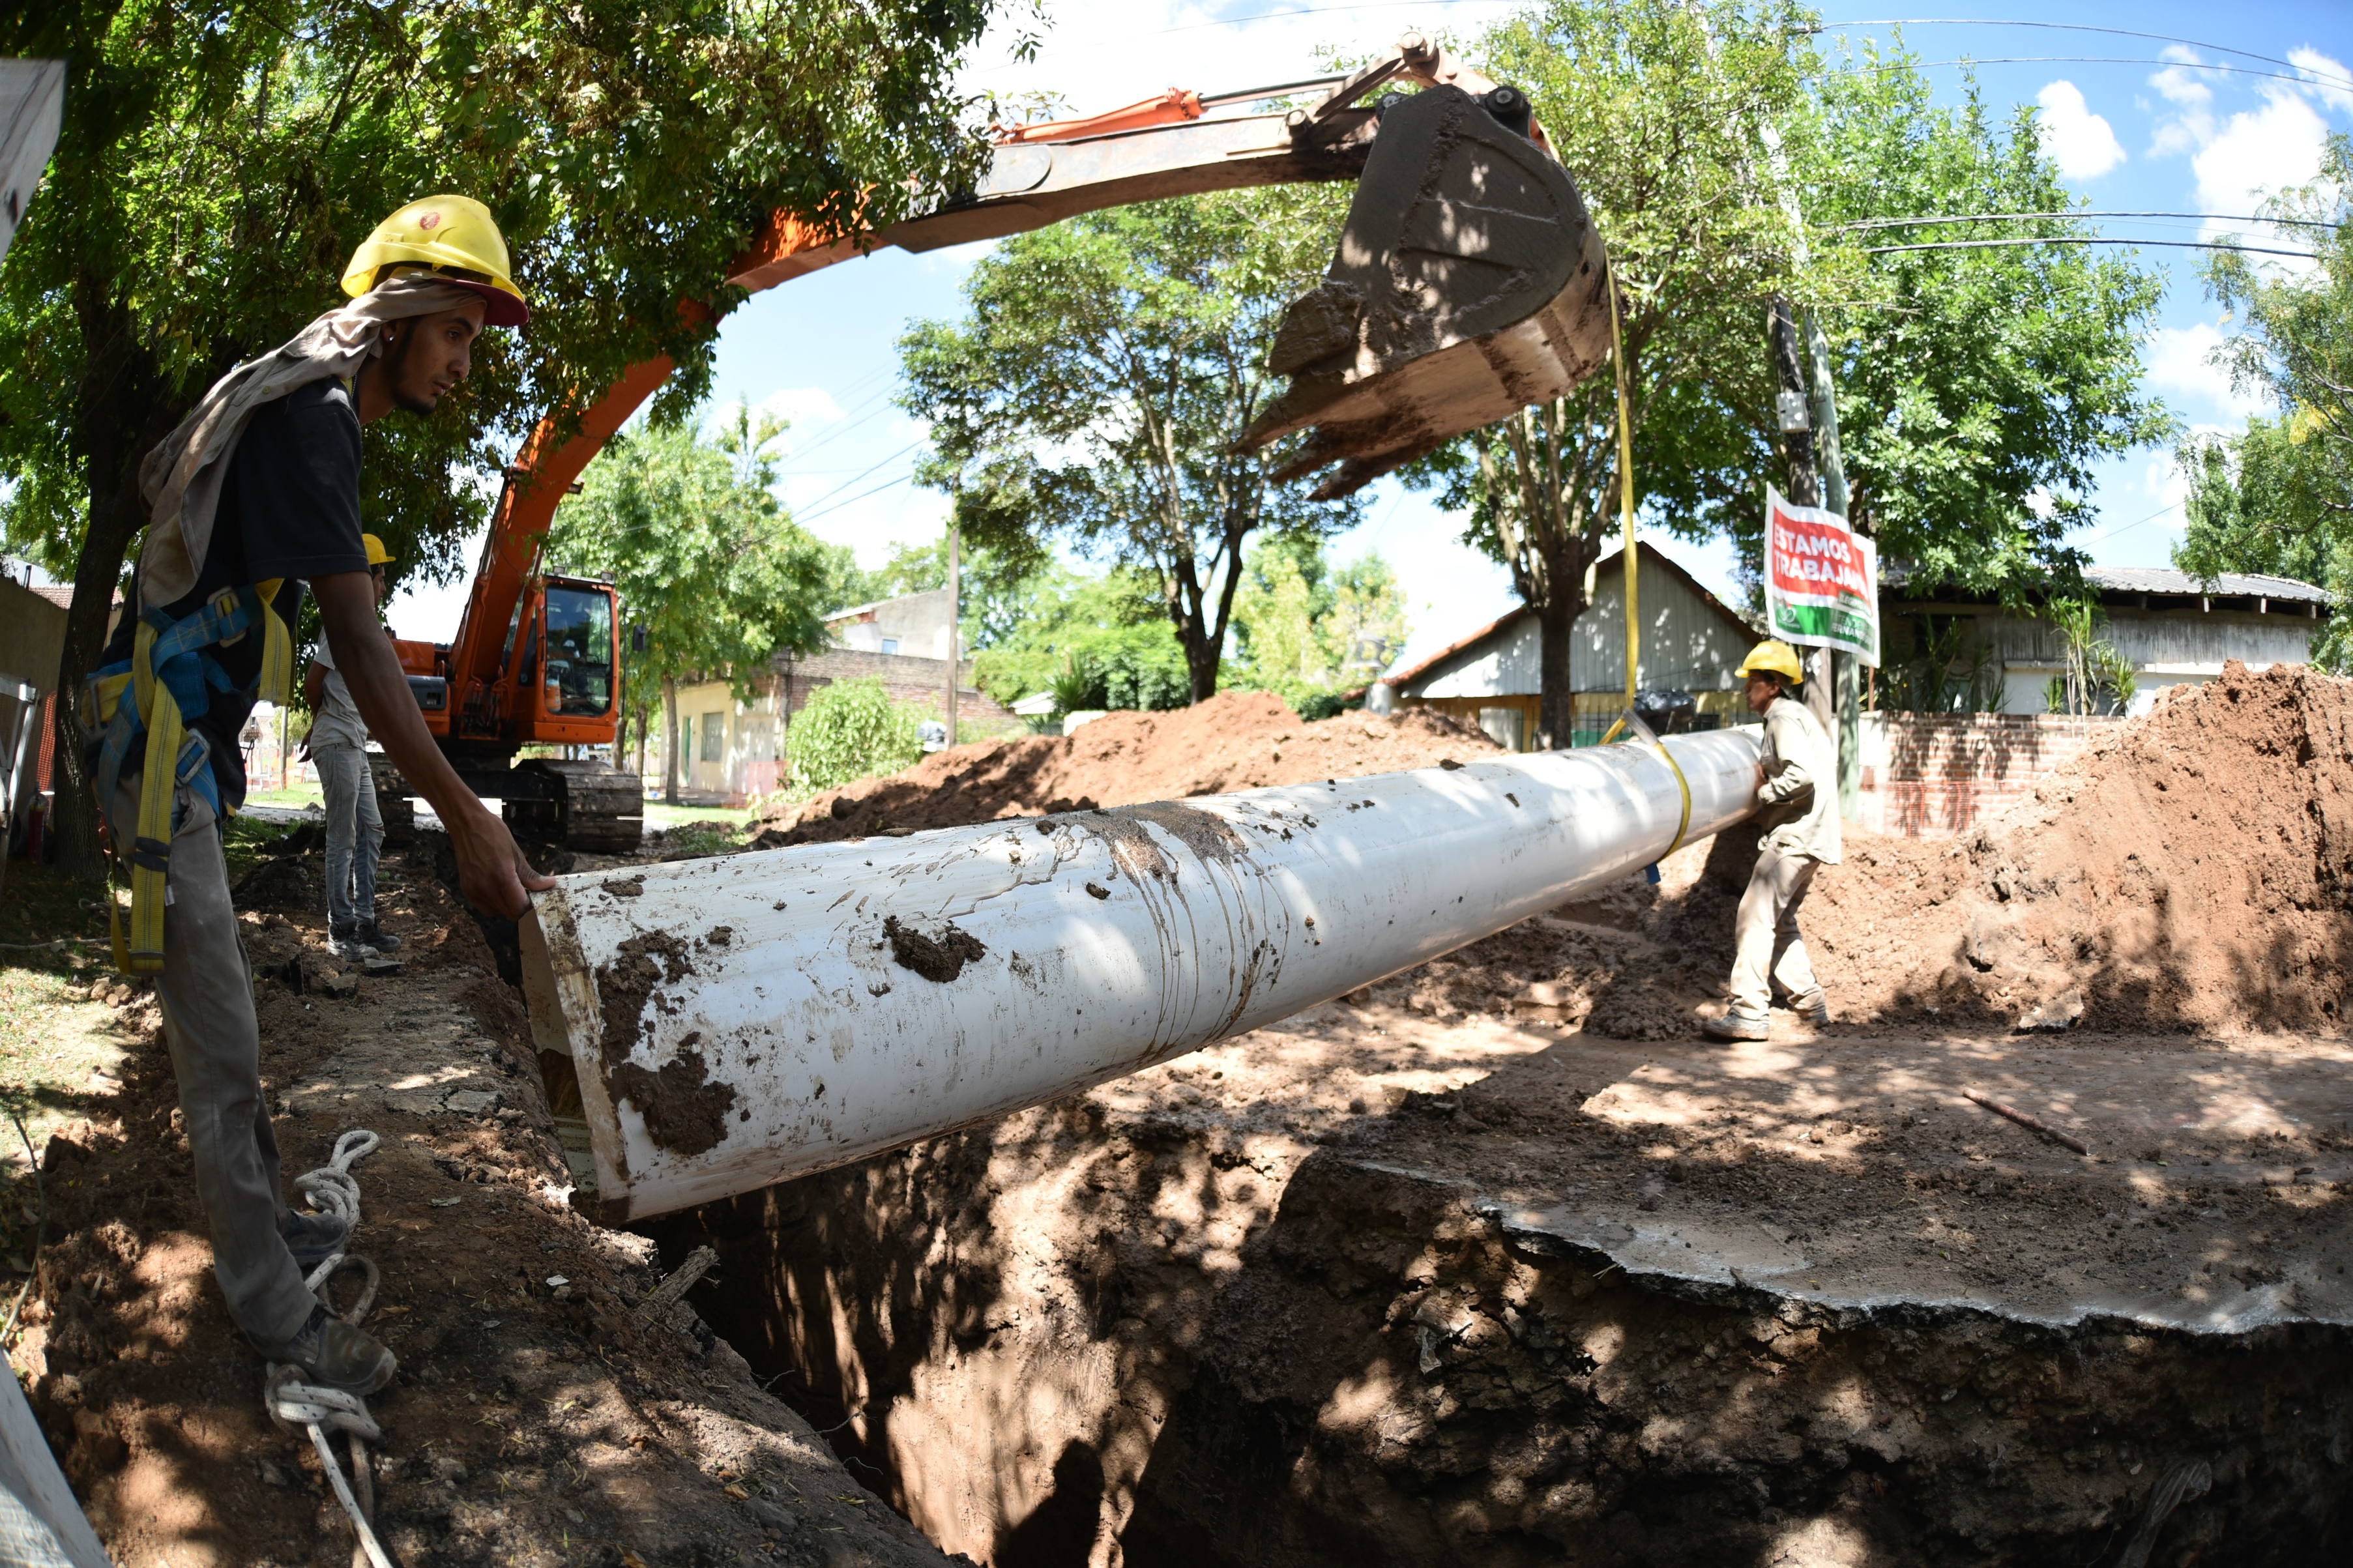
(219, 163)
(1661, 111)
(1092, 641)
(1093, 393)
(1977, 389)
(710, 568)
(850, 730)
(1310, 629)
(2277, 498)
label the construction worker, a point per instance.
(255, 494)
(337, 747)
(1797, 803)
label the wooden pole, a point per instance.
(956, 596)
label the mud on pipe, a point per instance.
(737, 1021)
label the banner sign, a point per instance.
(1822, 580)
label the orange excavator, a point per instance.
(1469, 283)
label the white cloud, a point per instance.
(2254, 154)
(2083, 144)
(2332, 83)
(2176, 364)
(799, 406)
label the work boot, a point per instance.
(313, 1238)
(1813, 1007)
(372, 935)
(1737, 1025)
(331, 1354)
(343, 941)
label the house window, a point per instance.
(714, 737)
(890, 644)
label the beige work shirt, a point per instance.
(1798, 802)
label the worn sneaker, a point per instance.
(313, 1238)
(1813, 1007)
(373, 935)
(1737, 1025)
(332, 1353)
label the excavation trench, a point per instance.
(1496, 1262)
(1170, 1323)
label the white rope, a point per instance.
(332, 1190)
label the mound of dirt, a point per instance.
(2193, 872)
(1237, 739)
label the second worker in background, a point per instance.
(338, 746)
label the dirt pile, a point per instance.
(2195, 871)
(1237, 739)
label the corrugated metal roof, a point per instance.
(2233, 584)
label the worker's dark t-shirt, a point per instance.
(289, 508)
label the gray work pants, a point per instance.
(1768, 953)
(354, 835)
(207, 990)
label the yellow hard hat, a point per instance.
(444, 232)
(377, 553)
(1776, 657)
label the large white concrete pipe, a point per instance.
(735, 1021)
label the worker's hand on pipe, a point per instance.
(491, 872)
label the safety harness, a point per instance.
(159, 693)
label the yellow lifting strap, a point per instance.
(1631, 720)
(148, 855)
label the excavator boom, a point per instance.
(1468, 283)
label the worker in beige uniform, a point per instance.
(1797, 803)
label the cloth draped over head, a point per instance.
(181, 478)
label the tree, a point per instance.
(1976, 389)
(1309, 630)
(1661, 110)
(710, 568)
(851, 729)
(1094, 392)
(218, 164)
(1095, 642)
(2278, 497)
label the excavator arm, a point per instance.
(1467, 284)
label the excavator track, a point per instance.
(602, 810)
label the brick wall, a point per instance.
(906, 677)
(1937, 775)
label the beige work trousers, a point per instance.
(1768, 953)
(207, 990)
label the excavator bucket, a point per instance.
(1467, 285)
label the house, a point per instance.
(1692, 641)
(32, 640)
(912, 625)
(732, 753)
(2168, 627)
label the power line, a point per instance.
(2311, 78)
(2084, 239)
(2020, 217)
(849, 501)
(2065, 27)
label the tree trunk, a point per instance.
(124, 409)
(669, 740)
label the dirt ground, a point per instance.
(1495, 1260)
(1237, 739)
(539, 1417)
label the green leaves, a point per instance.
(707, 563)
(850, 730)
(1094, 391)
(219, 164)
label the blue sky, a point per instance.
(2136, 123)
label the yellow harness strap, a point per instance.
(1627, 721)
(149, 854)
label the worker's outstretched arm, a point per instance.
(490, 869)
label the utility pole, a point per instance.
(1794, 404)
(1845, 665)
(956, 598)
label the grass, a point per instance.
(53, 1037)
(661, 815)
(299, 795)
